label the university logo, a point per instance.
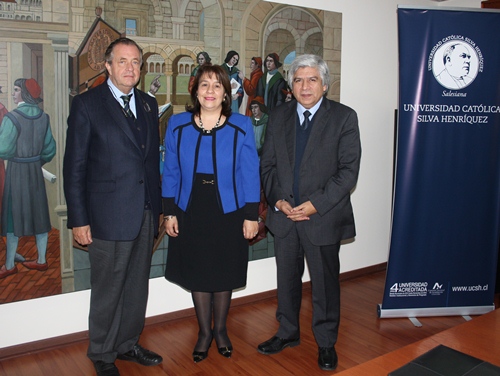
(455, 62)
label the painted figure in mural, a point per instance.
(250, 85)
(3, 111)
(288, 94)
(26, 142)
(112, 189)
(312, 200)
(456, 59)
(272, 83)
(259, 122)
(230, 63)
(210, 189)
(201, 58)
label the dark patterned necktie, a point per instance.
(305, 123)
(126, 107)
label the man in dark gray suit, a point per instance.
(112, 189)
(309, 165)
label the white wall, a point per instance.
(369, 85)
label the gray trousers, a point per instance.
(324, 268)
(119, 292)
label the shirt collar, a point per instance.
(312, 110)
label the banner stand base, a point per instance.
(433, 311)
(415, 322)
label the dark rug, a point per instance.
(443, 361)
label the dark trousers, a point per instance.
(119, 292)
(324, 267)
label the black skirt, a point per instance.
(210, 254)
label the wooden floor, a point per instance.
(363, 337)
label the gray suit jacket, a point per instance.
(328, 172)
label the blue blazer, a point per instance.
(236, 165)
(105, 169)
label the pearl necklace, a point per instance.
(208, 131)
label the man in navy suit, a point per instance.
(309, 165)
(112, 189)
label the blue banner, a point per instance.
(446, 213)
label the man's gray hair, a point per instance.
(311, 61)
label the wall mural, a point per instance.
(48, 57)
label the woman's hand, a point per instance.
(250, 229)
(171, 226)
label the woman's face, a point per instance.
(16, 95)
(210, 92)
(201, 59)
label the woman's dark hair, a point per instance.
(221, 76)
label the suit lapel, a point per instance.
(143, 106)
(289, 122)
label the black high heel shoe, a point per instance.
(198, 356)
(226, 351)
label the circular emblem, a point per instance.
(98, 43)
(455, 64)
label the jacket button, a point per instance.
(141, 181)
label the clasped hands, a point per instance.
(299, 213)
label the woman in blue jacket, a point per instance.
(210, 189)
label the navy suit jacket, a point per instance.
(328, 171)
(106, 170)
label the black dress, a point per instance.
(210, 254)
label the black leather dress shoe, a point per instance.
(106, 369)
(226, 351)
(327, 358)
(140, 355)
(276, 345)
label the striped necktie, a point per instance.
(126, 107)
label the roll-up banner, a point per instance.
(446, 206)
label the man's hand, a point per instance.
(82, 235)
(302, 212)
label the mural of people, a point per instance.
(272, 83)
(250, 85)
(26, 142)
(201, 58)
(229, 66)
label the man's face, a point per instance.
(253, 65)
(270, 65)
(125, 68)
(458, 62)
(308, 87)
(201, 59)
(256, 112)
(234, 60)
(16, 95)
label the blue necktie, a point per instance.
(305, 123)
